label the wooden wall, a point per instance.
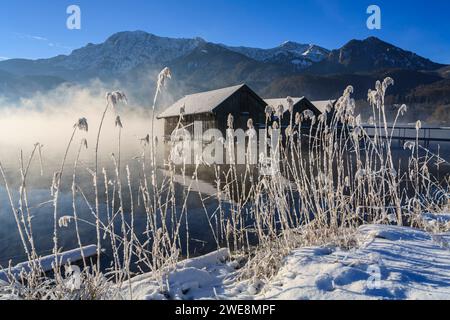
(243, 105)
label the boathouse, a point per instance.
(212, 109)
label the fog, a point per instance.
(49, 119)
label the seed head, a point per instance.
(308, 114)
(409, 145)
(378, 85)
(250, 124)
(162, 78)
(387, 82)
(115, 97)
(418, 125)
(269, 112)
(348, 91)
(290, 103)
(280, 111)
(82, 125)
(403, 109)
(329, 107)
(64, 221)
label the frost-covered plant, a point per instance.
(326, 180)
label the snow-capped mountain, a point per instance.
(133, 59)
(125, 50)
(126, 53)
(291, 53)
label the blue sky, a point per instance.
(36, 29)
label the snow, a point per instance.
(315, 53)
(298, 54)
(324, 105)
(202, 102)
(46, 262)
(436, 220)
(197, 278)
(389, 262)
(125, 50)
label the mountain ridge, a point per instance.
(133, 59)
(124, 50)
(371, 54)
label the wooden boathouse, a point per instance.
(212, 109)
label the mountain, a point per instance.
(118, 55)
(299, 56)
(132, 60)
(369, 55)
(13, 86)
(323, 87)
(211, 65)
(126, 50)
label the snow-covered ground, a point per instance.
(46, 263)
(389, 263)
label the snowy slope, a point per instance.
(389, 263)
(297, 54)
(198, 278)
(125, 50)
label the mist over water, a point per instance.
(49, 119)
